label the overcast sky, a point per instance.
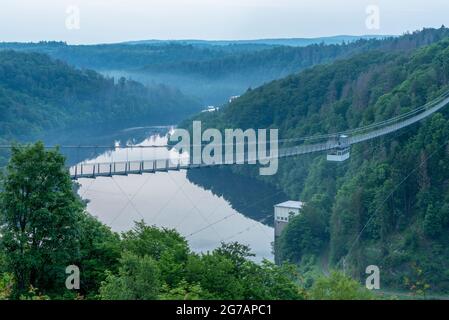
(105, 21)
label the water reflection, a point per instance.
(98, 140)
(248, 196)
(169, 199)
(205, 205)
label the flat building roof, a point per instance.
(290, 204)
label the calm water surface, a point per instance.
(170, 200)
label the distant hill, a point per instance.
(280, 61)
(38, 93)
(294, 42)
(138, 54)
(212, 71)
(215, 80)
(129, 57)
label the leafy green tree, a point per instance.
(161, 259)
(216, 275)
(6, 285)
(138, 278)
(305, 234)
(227, 273)
(267, 281)
(184, 291)
(417, 283)
(436, 220)
(39, 214)
(337, 286)
(100, 250)
(238, 253)
(167, 247)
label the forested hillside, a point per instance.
(138, 54)
(213, 72)
(132, 56)
(292, 42)
(39, 93)
(395, 189)
(215, 80)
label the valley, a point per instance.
(209, 233)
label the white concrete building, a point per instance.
(283, 213)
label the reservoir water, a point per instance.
(207, 206)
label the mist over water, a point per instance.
(207, 90)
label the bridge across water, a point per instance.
(329, 142)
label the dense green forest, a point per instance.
(213, 71)
(38, 93)
(215, 80)
(262, 43)
(395, 189)
(138, 54)
(131, 56)
(280, 61)
(208, 71)
(45, 228)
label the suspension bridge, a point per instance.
(337, 144)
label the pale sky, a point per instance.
(105, 21)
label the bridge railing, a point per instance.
(400, 125)
(106, 169)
